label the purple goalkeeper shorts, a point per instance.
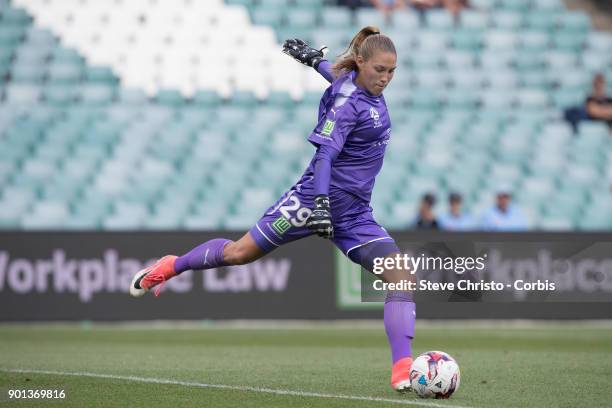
(285, 221)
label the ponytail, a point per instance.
(365, 42)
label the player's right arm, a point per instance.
(305, 54)
(598, 111)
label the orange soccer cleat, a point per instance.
(400, 375)
(154, 275)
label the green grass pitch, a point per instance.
(542, 365)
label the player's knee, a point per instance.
(236, 254)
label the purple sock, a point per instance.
(205, 256)
(400, 313)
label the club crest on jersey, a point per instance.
(328, 128)
(375, 117)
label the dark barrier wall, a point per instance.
(85, 276)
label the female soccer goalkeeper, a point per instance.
(332, 198)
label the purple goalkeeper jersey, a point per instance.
(357, 124)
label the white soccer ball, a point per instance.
(434, 374)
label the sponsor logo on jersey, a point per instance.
(375, 117)
(281, 225)
(328, 128)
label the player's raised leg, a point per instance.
(211, 254)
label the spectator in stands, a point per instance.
(598, 104)
(353, 4)
(452, 6)
(503, 216)
(387, 7)
(455, 6)
(424, 5)
(426, 218)
(456, 219)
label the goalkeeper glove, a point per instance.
(320, 221)
(302, 52)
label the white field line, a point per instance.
(231, 387)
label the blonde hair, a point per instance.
(364, 44)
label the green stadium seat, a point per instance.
(568, 97)
(202, 222)
(279, 99)
(28, 73)
(527, 61)
(439, 19)
(246, 3)
(206, 99)
(302, 18)
(425, 98)
(552, 5)
(559, 60)
(596, 220)
(23, 94)
(370, 17)
(600, 41)
(517, 5)
(11, 35)
(432, 40)
(268, 117)
(95, 95)
(556, 222)
(102, 75)
(132, 97)
(507, 20)
(64, 73)
(534, 41)
(461, 99)
(15, 17)
(575, 21)
(543, 20)
(568, 41)
(483, 4)
(39, 37)
(28, 55)
(425, 60)
(337, 39)
(272, 17)
(596, 62)
(500, 40)
(474, 20)
(532, 99)
(67, 56)
(244, 99)
(169, 97)
(337, 17)
(405, 20)
(312, 4)
(459, 60)
(535, 80)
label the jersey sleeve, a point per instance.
(325, 69)
(335, 125)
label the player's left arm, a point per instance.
(329, 137)
(305, 54)
(320, 221)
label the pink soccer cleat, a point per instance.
(400, 375)
(156, 274)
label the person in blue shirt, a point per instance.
(503, 216)
(456, 219)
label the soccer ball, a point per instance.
(434, 374)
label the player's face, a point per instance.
(376, 73)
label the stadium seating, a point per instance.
(98, 136)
